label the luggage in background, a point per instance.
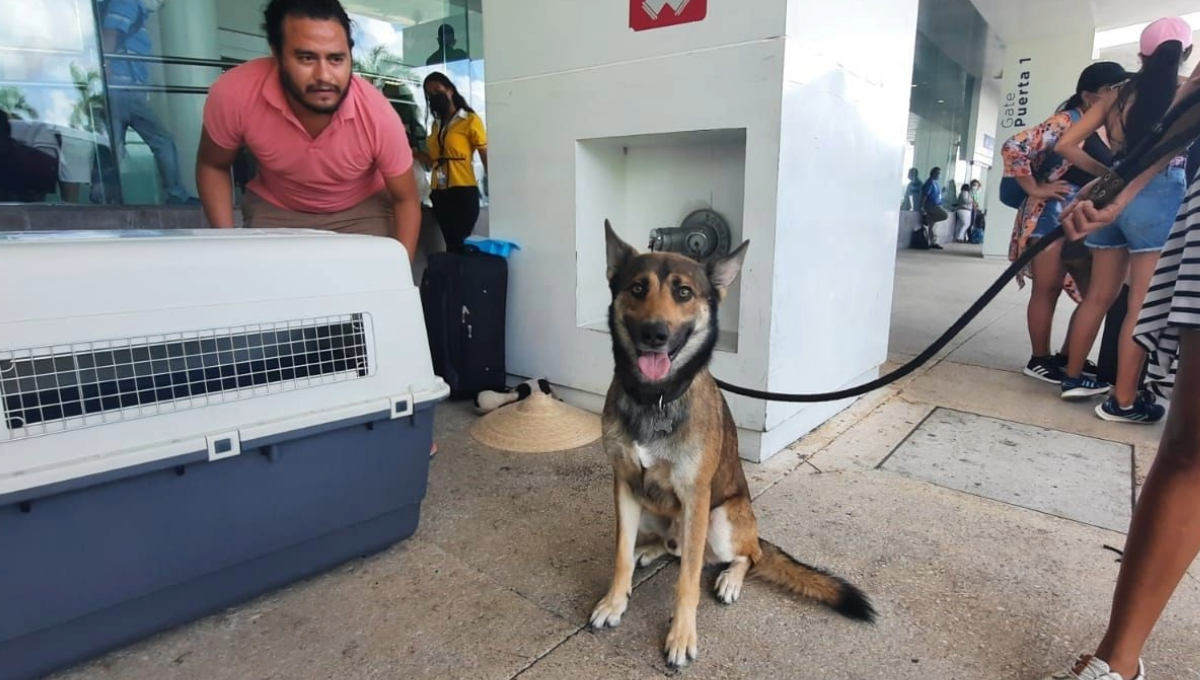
(464, 296)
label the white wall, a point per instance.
(534, 129)
(649, 182)
(822, 98)
(1038, 77)
(525, 38)
(847, 83)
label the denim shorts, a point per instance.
(1146, 223)
(1052, 213)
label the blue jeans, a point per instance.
(1052, 213)
(128, 109)
(1146, 222)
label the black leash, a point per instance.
(922, 358)
(1151, 150)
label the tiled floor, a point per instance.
(1066, 475)
(514, 550)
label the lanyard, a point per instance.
(443, 130)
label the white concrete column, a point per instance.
(1038, 77)
(788, 120)
(846, 86)
(188, 28)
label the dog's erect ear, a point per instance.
(722, 272)
(619, 252)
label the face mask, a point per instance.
(440, 103)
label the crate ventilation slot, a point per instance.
(55, 389)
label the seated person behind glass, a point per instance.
(27, 174)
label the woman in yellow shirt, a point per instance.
(456, 135)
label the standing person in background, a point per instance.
(1130, 246)
(447, 50)
(932, 211)
(964, 212)
(912, 191)
(123, 31)
(1028, 156)
(455, 137)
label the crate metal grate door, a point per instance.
(56, 389)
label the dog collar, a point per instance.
(661, 400)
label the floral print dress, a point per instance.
(1031, 154)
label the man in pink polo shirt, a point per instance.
(331, 151)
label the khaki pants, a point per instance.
(373, 216)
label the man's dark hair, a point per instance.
(320, 10)
(5, 126)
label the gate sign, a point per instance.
(649, 14)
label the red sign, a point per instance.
(647, 14)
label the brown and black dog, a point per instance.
(678, 481)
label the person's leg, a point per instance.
(443, 212)
(1130, 355)
(106, 173)
(457, 210)
(964, 223)
(937, 215)
(1110, 342)
(1081, 274)
(1048, 274)
(1109, 266)
(145, 121)
(1164, 536)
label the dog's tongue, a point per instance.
(654, 365)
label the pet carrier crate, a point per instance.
(191, 418)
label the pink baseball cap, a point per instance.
(1165, 30)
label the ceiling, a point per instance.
(1011, 19)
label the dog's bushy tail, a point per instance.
(780, 568)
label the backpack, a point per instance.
(138, 22)
(919, 240)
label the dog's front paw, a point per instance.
(608, 611)
(729, 586)
(682, 644)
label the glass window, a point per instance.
(52, 109)
(943, 97)
(398, 44)
(159, 59)
(111, 92)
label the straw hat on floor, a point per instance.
(539, 424)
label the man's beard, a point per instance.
(293, 89)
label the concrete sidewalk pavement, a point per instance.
(968, 501)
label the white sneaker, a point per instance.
(1090, 668)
